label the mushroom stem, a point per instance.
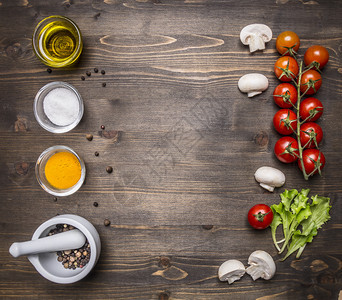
(256, 43)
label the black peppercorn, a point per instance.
(89, 137)
(104, 84)
(88, 73)
(103, 72)
(95, 204)
(96, 153)
(49, 70)
(82, 77)
(55, 199)
(109, 169)
(96, 70)
(106, 222)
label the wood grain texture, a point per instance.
(184, 144)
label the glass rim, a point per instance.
(61, 129)
(57, 192)
(68, 59)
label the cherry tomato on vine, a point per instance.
(316, 53)
(286, 67)
(310, 109)
(309, 133)
(260, 216)
(286, 149)
(285, 121)
(313, 160)
(287, 42)
(310, 78)
(285, 94)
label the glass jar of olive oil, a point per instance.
(57, 41)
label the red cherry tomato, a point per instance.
(285, 68)
(310, 78)
(285, 94)
(310, 109)
(316, 53)
(285, 121)
(309, 132)
(287, 42)
(313, 160)
(286, 149)
(260, 216)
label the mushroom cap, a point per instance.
(231, 269)
(253, 82)
(261, 30)
(261, 265)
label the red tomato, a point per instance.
(316, 53)
(260, 216)
(285, 94)
(313, 160)
(309, 132)
(286, 149)
(310, 78)
(286, 67)
(310, 109)
(284, 120)
(287, 43)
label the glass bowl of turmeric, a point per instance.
(60, 171)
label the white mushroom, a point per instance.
(269, 178)
(261, 265)
(255, 35)
(231, 270)
(253, 84)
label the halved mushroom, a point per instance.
(231, 270)
(261, 265)
(255, 35)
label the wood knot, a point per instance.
(14, 50)
(207, 227)
(261, 139)
(318, 265)
(164, 296)
(164, 261)
(115, 135)
(21, 124)
(21, 168)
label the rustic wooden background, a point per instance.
(183, 141)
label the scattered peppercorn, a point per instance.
(96, 153)
(89, 137)
(82, 77)
(55, 199)
(96, 70)
(95, 204)
(103, 72)
(104, 84)
(109, 169)
(49, 70)
(103, 127)
(88, 73)
(106, 222)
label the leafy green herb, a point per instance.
(294, 211)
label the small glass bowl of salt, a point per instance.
(58, 107)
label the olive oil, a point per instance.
(58, 42)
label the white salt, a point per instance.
(61, 106)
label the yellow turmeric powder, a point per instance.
(63, 170)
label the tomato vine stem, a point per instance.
(300, 148)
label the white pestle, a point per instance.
(72, 239)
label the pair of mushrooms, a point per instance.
(261, 266)
(254, 35)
